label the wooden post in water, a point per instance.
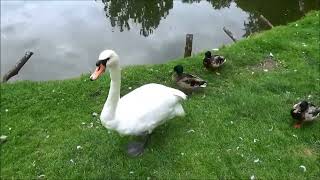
(188, 48)
(15, 70)
(265, 20)
(229, 33)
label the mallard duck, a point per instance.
(139, 112)
(214, 62)
(187, 81)
(304, 111)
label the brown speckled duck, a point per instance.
(187, 81)
(304, 111)
(213, 62)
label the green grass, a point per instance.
(237, 107)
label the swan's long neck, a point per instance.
(110, 106)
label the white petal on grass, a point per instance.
(255, 140)
(256, 160)
(7, 110)
(41, 176)
(295, 136)
(270, 129)
(131, 172)
(71, 160)
(241, 138)
(303, 168)
(47, 136)
(238, 148)
(252, 177)
(79, 147)
(3, 138)
(191, 131)
(271, 55)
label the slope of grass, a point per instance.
(239, 127)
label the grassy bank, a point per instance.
(239, 127)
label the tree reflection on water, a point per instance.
(149, 13)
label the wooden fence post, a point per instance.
(188, 48)
(229, 33)
(15, 70)
(265, 20)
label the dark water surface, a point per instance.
(67, 36)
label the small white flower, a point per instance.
(303, 168)
(256, 160)
(7, 110)
(182, 154)
(79, 147)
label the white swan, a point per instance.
(141, 110)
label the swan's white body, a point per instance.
(141, 110)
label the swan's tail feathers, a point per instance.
(179, 94)
(179, 110)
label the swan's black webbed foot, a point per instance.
(135, 149)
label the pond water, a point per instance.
(67, 36)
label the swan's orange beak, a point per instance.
(99, 70)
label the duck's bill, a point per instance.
(96, 74)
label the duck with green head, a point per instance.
(213, 62)
(187, 81)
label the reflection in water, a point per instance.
(67, 36)
(147, 13)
